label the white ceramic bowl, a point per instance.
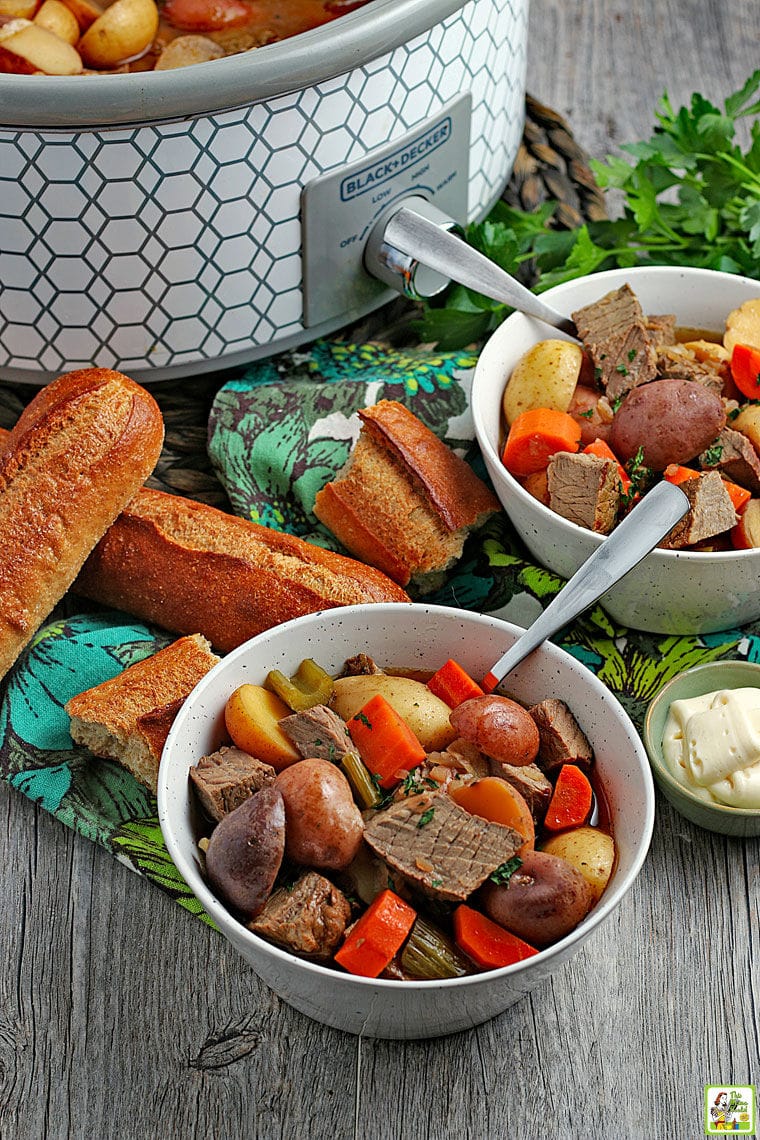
(418, 636)
(670, 591)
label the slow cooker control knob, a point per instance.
(405, 272)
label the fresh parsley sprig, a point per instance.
(690, 196)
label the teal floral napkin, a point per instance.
(277, 433)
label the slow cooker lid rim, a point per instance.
(79, 103)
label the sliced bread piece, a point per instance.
(404, 502)
(128, 718)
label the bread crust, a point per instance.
(77, 454)
(189, 567)
(404, 502)
(459, 497)
(128, 718)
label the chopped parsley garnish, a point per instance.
(621, 368)
(587, 415)
(640, 476)
(363, 718)
(426, 817)
(615, 405)
(712, 456)
(505, 872)
(632, 354)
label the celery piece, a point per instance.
(310, 685)
(364, 787)
(430, 954)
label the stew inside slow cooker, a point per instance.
(70, 37)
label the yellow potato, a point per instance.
(44, 51)
(125, 30)
(748, 423)
(84, 11)
(252, 716)
(425, 714)
(12, 27)
(743, 325)
(591, 851)
(15, 9)
(184, 50)
(544, 377)
(58, 19)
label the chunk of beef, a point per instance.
(443, 850)
(615, 335)
(309, 919)
(661, 328)
(318, 733)
(360, 666)
(677, 362)
(712, 512)
(733, 455)
(225, 779)
(585, 489)
(530, 782)
(561, 738)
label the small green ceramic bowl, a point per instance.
(738, 822)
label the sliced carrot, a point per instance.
(739, 496)
(675, 473)
(453, 685)
(745, 370)
(376, 936)
(602, 450)
(497, 801)
(571, 800)
(487, 943)
(385, 741)
(535, 436)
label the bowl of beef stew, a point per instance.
(650, 393)
(405, 908)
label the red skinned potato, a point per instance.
(245, 852)
(324, 827)
(498, 727)
(543, 900)
(672, 420)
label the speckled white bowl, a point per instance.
(422, 637)
(670, 591)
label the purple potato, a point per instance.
(245, 852)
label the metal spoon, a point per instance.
(428, 237)
(641, 530)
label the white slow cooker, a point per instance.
(168, 223)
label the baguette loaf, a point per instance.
(187, 566)
(404, 502)
(128, 718)
(77, 454)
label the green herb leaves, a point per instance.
(691, 196)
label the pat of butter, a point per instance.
(712, 743)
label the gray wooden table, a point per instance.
(122, 1016)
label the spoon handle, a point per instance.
(641, 530)
(441, 250)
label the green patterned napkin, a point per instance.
(277, 433)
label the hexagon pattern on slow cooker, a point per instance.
(167, 245)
